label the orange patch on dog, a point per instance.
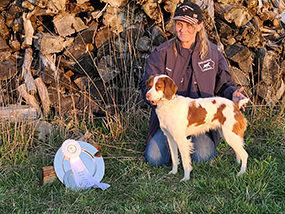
(219, 114)
(196, 115)
(240, 125)
(166, 85)
(214, 102)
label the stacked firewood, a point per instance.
(87, 56)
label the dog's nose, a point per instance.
(147, 95)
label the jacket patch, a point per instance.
(168, 69)
(206, 65)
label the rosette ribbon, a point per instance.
(71, 150)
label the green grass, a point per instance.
(137, 187)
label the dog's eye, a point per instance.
(159, 87)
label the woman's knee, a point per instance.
(157, 151)
(204, 148)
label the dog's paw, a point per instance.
(184, 179)
(240, 173)
(242, 170)
(172, 172)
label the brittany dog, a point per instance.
(181, 116)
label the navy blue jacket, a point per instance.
(193, 76)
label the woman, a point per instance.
(198, 69)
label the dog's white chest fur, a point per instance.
(166, 109)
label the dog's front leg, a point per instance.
(174, 154)
(185, 147)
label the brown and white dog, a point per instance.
(181, 116)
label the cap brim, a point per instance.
(187, 19)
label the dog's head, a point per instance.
(160, 87)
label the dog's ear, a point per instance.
(149, 82)
(170, 88)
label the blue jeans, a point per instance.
(157, 151)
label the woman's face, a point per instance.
(187, 32)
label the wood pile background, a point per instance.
(87, 56)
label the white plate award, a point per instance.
(78, 165)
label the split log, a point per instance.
(103, 36)
(242, 79)
(74, 52)
(250, 36)
(15, 45)
(28, 5)
(87, 36)
(55, 76)
(239, 77)
(152, 9)
(170, 6)
(266, 14)
(225, 31)
(8, 67)
(112, 19)
(271, 94)
(4, 31)
(43, 94)
(30, 99)
(79, 58)
(241, 55)
(14, 10)
(270, 72)
(49, 44)
(270, 85)
(3, 4)
(3, 45)
(280, 5)
(85, 6)
(26, 71)
(51, 6)
(71, 25)
(233, 13)
(29, 30)
(16, 113)
(62, 101)
(253, 6)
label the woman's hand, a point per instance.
(237, 95)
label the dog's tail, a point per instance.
(242, 102)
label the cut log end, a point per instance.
(47, 175)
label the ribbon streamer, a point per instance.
(83, 179)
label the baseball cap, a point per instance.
(188, 12)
